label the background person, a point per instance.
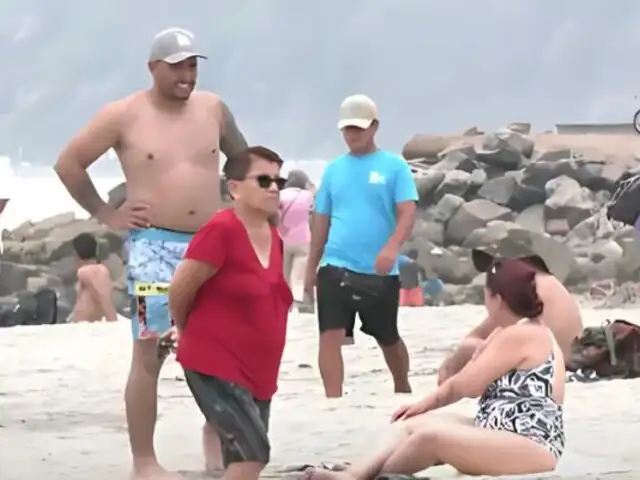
(364, 212)
(296, 204)
(94, 300)
(561, 315)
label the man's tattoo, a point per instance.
(231, 139)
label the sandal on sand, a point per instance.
(399, 476)
(332, 467)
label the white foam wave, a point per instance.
(39, 193)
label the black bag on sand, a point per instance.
(39, 308)
(624, 205)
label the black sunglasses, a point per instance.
(265, 181)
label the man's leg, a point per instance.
(334, 316)
(380, 320)
(241, 421)
(141, 391)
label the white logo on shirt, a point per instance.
(377, 178)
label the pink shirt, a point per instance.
(295, 207)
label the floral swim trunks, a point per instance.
(153, 256)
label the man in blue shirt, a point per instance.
(364, 212)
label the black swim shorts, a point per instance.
(241, 421)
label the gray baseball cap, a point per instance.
(173, 45)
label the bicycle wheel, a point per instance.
(636, 121)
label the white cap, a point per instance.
(357, 111)
(173, 45)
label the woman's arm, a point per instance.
(189, 277)
(205, 255)
(503, 353)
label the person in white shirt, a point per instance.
(7, 179)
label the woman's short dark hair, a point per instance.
(515, 282)
(86, 246)
(237, 166)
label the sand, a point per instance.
(61, 406)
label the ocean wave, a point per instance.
(39, 193)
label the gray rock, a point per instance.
(443, 264)
(532, 218)
(447, 207)
(471, 216)
(499, 190)
(552, 155)
(557, 227)
(427, 182)
(429, 230)
(456, 182)
(495, 231)
(517, 141)
(425, 145)
(567, 200)
(497, 153)
(523, 128)
(628, 266)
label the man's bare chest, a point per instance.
(163, 146)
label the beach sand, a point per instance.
(61, 402)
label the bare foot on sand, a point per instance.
(322, 474)
(155, 473)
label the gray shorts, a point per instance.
(241, 421)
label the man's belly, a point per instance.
(184, 204)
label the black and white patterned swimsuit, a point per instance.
(521, 402)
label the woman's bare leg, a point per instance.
(372, 467)
(471, 450)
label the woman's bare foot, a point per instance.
(155, 472)
(322, 474)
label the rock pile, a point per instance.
(40, 255)
(477, 189)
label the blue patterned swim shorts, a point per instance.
(153, 256)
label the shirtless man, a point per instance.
(95, 300)
(168, 140)
(561, 314)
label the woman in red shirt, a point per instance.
(230, 301)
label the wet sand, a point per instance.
(62, 416)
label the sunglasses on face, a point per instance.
(265, 181)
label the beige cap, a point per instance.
(357, 111)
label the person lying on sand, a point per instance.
(518, 373)
(561, 315)
(94, 300)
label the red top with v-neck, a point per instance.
(237, 326)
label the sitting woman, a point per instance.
(519, 376)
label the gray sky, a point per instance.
(285, 65)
